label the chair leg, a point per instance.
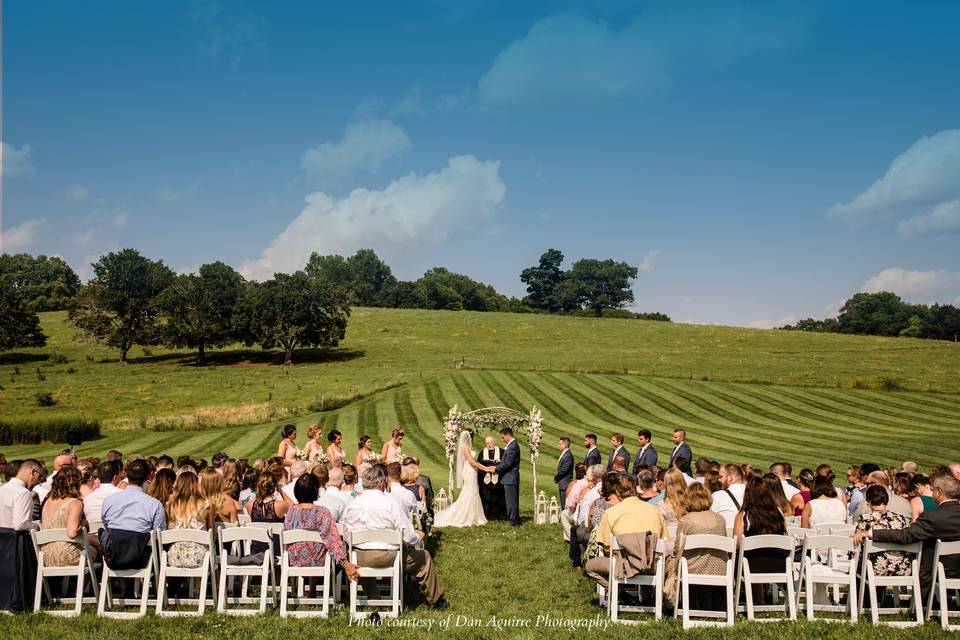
(791, 599)
(748, 587)
(916, 593)
(809, 600)
(38, 589)
(162, 588)
(353, 599)
(264, 586)
(222, 595)
(874, 614)
(81, 572)
(686, 601)
(284, 578)
(145, 592)
(944, 609)
(203, 588)
(104, 591)
(658, 595)
(613, 599)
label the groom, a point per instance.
(509, 472)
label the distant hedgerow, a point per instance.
(57, 430)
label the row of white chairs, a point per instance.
(218, 577)
(805, 583)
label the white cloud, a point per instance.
(567, 57)
(943, 218)
(956, 302)
(911, 284)
(77, 192)
(21, 237)
(176, 194)
(365, 146)
(120, 220)
(410, 213)
(16, 162)
(85, 238)
(772, 324)
(647, 265)
(925, 174)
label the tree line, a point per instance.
(885, 314)
(133, 300)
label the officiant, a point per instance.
(491, 491)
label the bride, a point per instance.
(467, 510)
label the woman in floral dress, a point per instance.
(306, 515)
(885, 563)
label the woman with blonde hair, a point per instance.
(63, 509)
(231, 480)
(697, 519)
(675, 489)
(391, 448)
(220, 507)
(186, 510)
(162, 485)
(314, 447)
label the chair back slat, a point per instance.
(709, 541)
(46, 536)
(200, 536)
(873, 546)
(821, 542)
(254, 534)
(785, 543)
(948, 548)
(385, 536)
(294, 536)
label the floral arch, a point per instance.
(494, 418)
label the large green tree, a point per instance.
(878, 314)
(120, 307)
(364, 275)
(443, 289)
(199, 308)
(19, 324)
(599, 284)
(45, 283)
(543, 281)
(293, 311)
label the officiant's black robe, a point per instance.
(491, 494)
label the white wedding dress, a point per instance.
(466, 510)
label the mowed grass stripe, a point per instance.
(504, 396)
(912, 408)
(831, 411)
(421, 434)
(483, 390)
(470, 398)
(543, 396)
(437, 401)
(587, 403)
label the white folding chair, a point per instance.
(394, 573)
(869, 581)
(814, 572)
(747, 578)
(322, 572)
(243, 518)
(106, 600)
(205, 572)
(245, 536)
(707, 542)
(654, 580)
(80, 571)
(941, 583)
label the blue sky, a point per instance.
(761, 160)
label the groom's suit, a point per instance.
(509, 472)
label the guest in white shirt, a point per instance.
(334, 484)
(110, 476)
(376, 509)
(325, 498)
(780, 469)
(297, 469)
(397, 490)
(727, 501)
(17, 497)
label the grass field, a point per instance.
(513, 576)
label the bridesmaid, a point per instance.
(314, 447)
(334, 452)
(392, 446)
(365, 452)
(288, 450)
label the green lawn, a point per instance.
(490, 573)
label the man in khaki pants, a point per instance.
(375, 508)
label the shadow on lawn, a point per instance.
(23, 358)
(252, 357)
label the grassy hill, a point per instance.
(743, 395)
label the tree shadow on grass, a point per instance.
(252, 357)
(23, 358)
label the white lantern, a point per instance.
(540, 509)
(554, 510)
(441, 501)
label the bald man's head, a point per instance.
(878, 477)
(62, 460)
(909, 466)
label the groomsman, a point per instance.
(593, 454)
(564, 470)
(619, 451)
(646, 454)
(681, 449)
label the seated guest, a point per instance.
(63, 509)
(266, 506)
(109, 474)
(88, 477)
(423, 481)
(580, 528)
(132, 509)
(66, 458)
(824, 506)
(698, 519)
(405, 498)
(162, 485)
(943, 523)
(924, 491)
(249, 487)
(675, 487)
(802, 497)
(647, 487)
(332, 503)
(727, 501)
(335, 483)
(186, 510)
(683, 466)
(306, 514)
(350, 488)
(762, 515)
(296, 469)
(376, 509)
(886, 563)
(711, 480)
(220, 506)
(903, 486)
(782, 470)
(17, 496)
(859, 486)
(628, 515)
(17, 560)
(232, 481)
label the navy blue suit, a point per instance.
(564, 474)
(646, 458)
(593, 457)
(620, 452)
(683, 451)
(509, 472)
